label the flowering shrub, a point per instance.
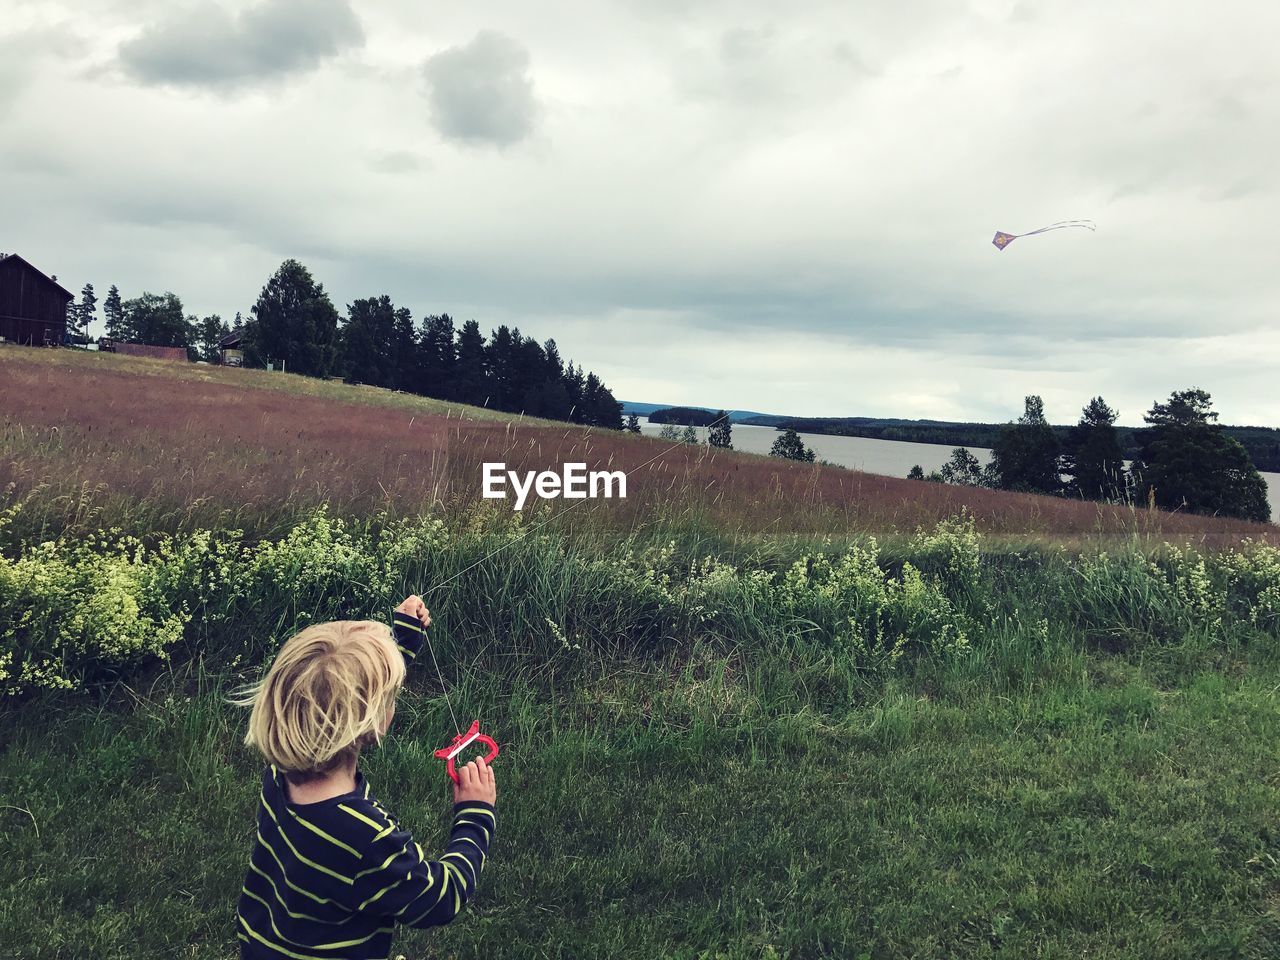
(1253, 584)
(858, 603)
(74, 612)
(85, 610)
(320, 567)
(953, 547)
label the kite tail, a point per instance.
(1086, 224)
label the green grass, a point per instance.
(1104, 807)
(717, 742)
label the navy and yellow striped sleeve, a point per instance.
(409, 634)
(396, 882)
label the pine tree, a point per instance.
(553, 400)
(472, 386)
(88, 310)
(367, 342)
(498, 363)
(439, 357)
(406, 355)
(73, 316)
(1188, 462)
(113, 314)
(528, 372)
(1092, 458)
(1025, 454)
(575, 385)
(633, 423)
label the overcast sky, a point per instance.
(787, 209)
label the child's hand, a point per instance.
(414, 606)
(476, 783)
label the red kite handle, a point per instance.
(462, 740)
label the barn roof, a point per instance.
(13, 256)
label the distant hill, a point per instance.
(736, 416)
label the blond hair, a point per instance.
(325, 697)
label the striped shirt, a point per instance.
(331, 879)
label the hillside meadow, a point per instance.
(155, 445)
(757, 709)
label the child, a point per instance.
(332, 870)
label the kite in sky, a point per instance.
(1003, 239)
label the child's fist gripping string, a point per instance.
(414, 607)
(475, 783)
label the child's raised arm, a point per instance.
(409, 625)
(398, 883)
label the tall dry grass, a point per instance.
(105, 440)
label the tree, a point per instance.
(157, 319)
(553, 399)
(86, 313)
(575, 386)
(720, 432)
(405, 362)
(963, 469)
(670, 432)
(73, 316)
(529, 376)
(209, 334)
(689, 435)
(499, 360)
(916, 473)
(294, 321)
(789, 446)
(366, 342)
(113, 313)
(1186, 461)
(438, 357)
(471, 374)
(1025, 454)
(633, 423)
(1092, 458)
(599, 408)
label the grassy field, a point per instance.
(151, 445)
(727, 730)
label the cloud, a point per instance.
(398, 161)
(209, 47)
(811, 200)
(23, 52)
(482, 93)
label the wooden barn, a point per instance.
(33, 307)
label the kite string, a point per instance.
(489, 556)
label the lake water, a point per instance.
(892, 457)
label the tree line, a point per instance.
(1263, 443)
(1185, 460)
(294, 323)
